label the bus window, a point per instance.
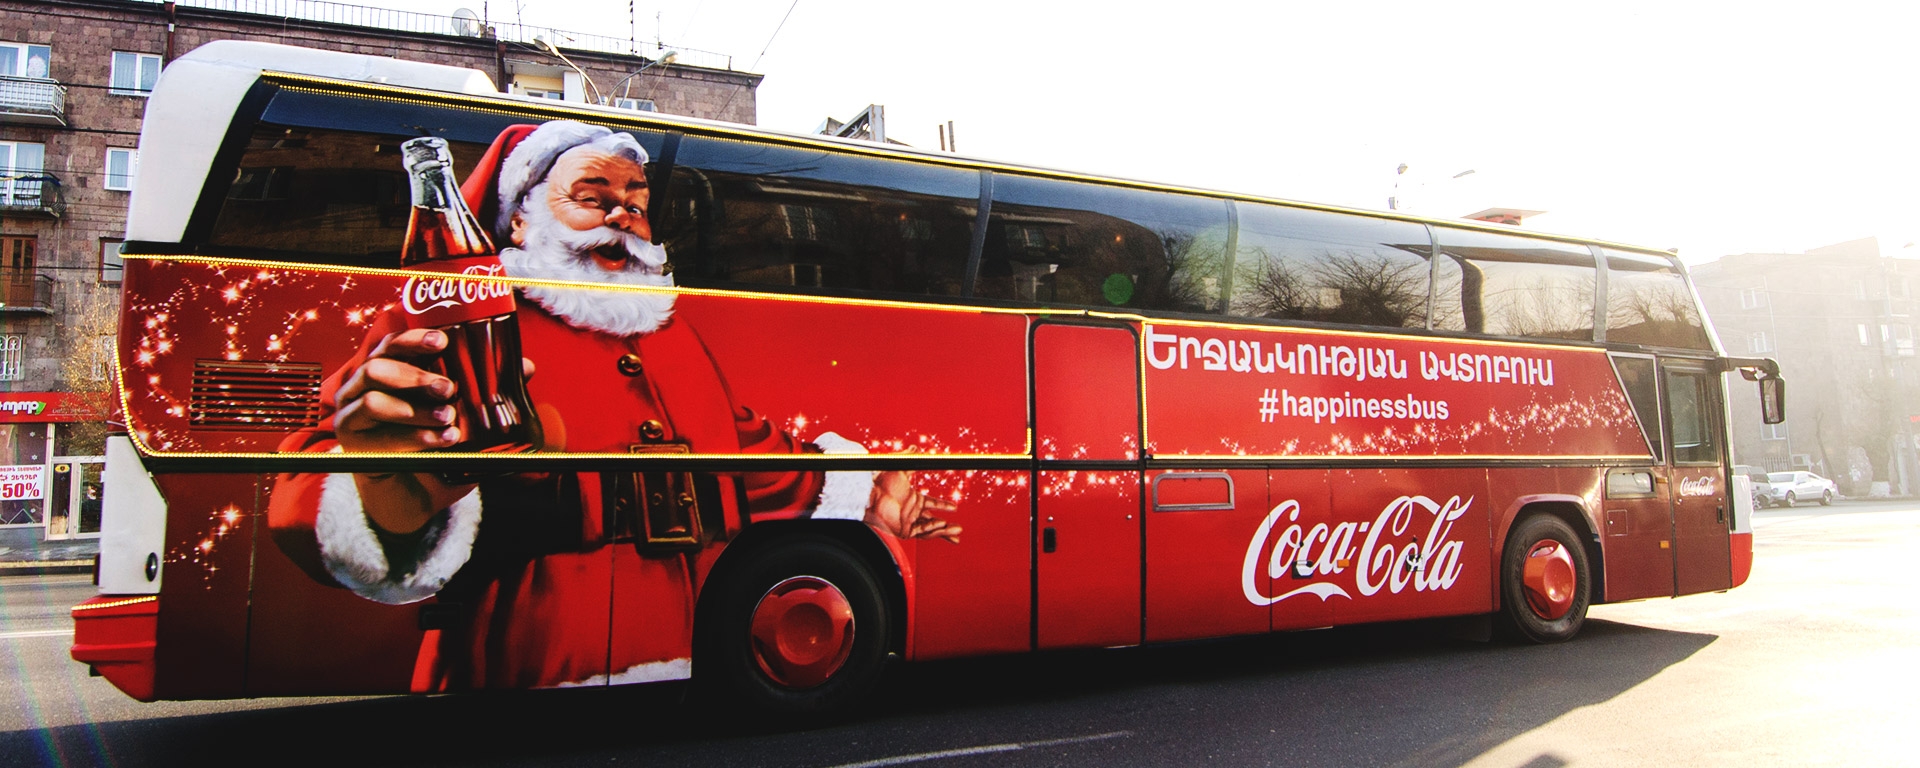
(1067, 242)
(1637, 378)
(798, 217)
(1691, 405)
(1648, 303)
(1505, 285)
(1301, 264)
(315, 195)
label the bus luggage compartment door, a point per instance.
(1087, 523)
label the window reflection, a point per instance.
(1296, 264)
(773, 215)
(1066, 242)
(1513, 286)
(1648, 303)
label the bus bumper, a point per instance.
(115, 636)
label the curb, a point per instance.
(39, 567)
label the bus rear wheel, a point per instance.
(799, 632)
(1545, 586)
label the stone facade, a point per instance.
(83, 36)
(1841, 322)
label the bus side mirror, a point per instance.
(1773, 400)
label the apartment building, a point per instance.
(74, 77)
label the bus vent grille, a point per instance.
(250, 395)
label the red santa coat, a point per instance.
(529, 566)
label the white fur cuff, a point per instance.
(845, 494)
(353, 555)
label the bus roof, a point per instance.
(213, 80)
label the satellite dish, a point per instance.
(466, 23)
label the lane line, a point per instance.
(983, 750)
(35, 633)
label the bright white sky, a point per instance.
(1716, 128)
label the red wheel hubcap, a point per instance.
(1549, 579)
(802, 631)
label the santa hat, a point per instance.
(520, 158)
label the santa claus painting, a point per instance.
(524, 566)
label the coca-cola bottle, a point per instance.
(482, 358)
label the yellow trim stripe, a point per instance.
(677, 290)
(1359, 332)
(514, 108)
(115, 603)
(1397, 457)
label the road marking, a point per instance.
(35, 633)
(983, 750)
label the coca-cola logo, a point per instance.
(423, 293)
(1388, 553)
(1697, 486)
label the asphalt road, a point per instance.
(1815, 661)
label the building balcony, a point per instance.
(26, 293)
(32, 101)
(31, 192)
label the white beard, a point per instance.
(554, 251)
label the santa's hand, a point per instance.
(391, 404)
(898, 508)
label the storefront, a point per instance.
(50, 461)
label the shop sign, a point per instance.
(23, 482)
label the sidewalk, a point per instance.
(28, 554)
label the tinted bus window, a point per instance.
(1065, 242)
(316, 195)
(1648, 303)
(1513, 286)
(772, 215)
(1298, 264)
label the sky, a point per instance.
(1714, 128)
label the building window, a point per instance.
(111, 265)
(1773, 431)
(21, 173)
(134, 73)
(122, 164)
(13, 348)
(1864, 338)
(1752, 298)
(1758, 342)
(22, 60)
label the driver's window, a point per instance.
(1690, 411)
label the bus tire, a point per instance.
(1545, 582)
(800, 632)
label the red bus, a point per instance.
(429, 388)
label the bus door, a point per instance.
(1087, 515)
(1702, 555)
(1637, 499)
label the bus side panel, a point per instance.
(313, 639)
(1201, 579)
(975, 596)
(1416, 536)
(213, 522)
(920, 380)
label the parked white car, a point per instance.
(1789, 488)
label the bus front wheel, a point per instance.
(800, 632)
(1545, 586)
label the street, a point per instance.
(1813, 661)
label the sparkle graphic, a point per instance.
(232, 313)
(198, 550)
